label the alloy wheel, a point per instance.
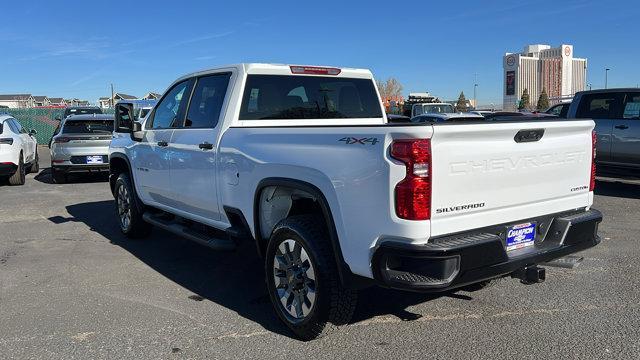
(295, 279)
(124, 206)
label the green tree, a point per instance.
(543, 101)
(461, 104)
(525, 103)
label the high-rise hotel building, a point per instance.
(542, 67)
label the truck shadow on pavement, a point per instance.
(234, 280)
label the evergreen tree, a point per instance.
(461, 105)
(525, 103)
(543, 101)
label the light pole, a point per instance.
(606, 77)
(475, 86)
(589, 85)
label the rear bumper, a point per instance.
(453, 261)
(8, 169)
(81, 168)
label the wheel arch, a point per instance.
(323, 205)
(119, 163)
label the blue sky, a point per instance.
(77, 48)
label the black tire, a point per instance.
(18, 178)
(333, 304)
(58, 176)
(129, 207)
(35, 165)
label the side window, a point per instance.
(632, 106)
(18, 129)
(206, 102)
(167, 113)
(600, 106)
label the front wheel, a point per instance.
(128, 209)
(303, 281)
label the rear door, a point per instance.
(604, 109)
(625, 147)
(484, 174)
(194, 148)
(152, 155)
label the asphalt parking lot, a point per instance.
(72, 287)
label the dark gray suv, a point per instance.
(617, 116)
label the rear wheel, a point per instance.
(303, 281)
(18, 178)
(129, 209)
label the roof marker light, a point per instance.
(314, 70)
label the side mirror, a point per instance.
(124, 118)
(33, 132)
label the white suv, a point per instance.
(18, 151)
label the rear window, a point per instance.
(88, 127)
(268, 97)
(77, 111)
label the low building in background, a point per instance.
(542, 67)
(41, 101)
(57, 102)
(108, 102)
(152, 96)
(17, 101)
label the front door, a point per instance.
(194, 154)
(604, 108)
(152, 159)
(625, 148)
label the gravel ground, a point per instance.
(71, 287)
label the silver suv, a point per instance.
(82, 145)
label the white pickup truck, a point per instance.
(301, 161)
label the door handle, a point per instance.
(622, 127)
(163, 143)
(205, 146)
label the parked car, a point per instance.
(616, 113)
(81, 146)
(482, 112)
(434, 118)
(432, 108)
(394, 118)
(559, 110)
(18, 151)
(299, 160)
(73, 110)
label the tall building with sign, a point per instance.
(542, 67)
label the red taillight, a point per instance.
(61, 139)
(592, 182)
(413, 193)
(314, 70)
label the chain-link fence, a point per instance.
(42, 120)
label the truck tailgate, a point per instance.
(482, 176)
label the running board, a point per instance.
(567, 262)
(186, 232)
